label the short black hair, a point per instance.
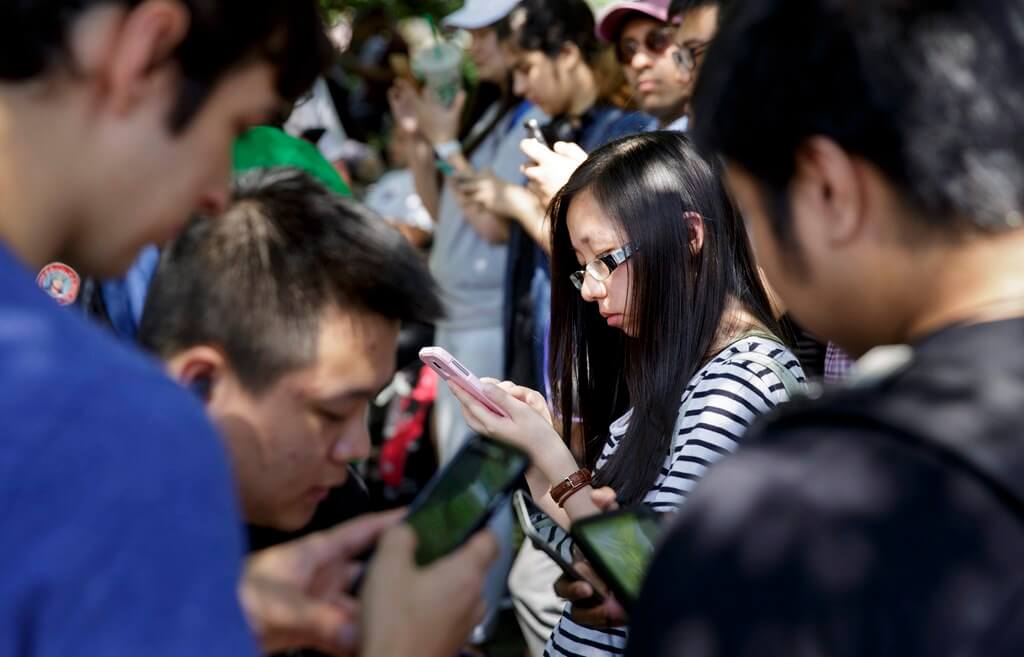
(221, 34)
(550, 24)
(930, 92)
(255, 281)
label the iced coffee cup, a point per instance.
(440, 67)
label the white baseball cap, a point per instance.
(479, 13)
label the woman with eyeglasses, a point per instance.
(664, 347)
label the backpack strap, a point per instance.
(792, 385)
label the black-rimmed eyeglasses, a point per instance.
(601, 267)
(685, 57)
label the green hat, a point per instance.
(265, 148)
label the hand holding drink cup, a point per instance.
(439, 66)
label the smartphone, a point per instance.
(619, 545)
(449, 369)
(548, 536)
(460, 499)
(533, 131)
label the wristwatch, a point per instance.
(447, 149)
(564, 490)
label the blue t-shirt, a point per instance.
(119, 528)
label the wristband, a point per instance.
(446, 149)
(570, 486)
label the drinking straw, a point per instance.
(437, 35)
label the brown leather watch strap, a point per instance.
(570, 485)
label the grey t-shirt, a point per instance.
(469, 270)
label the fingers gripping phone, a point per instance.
(533, 131)
(620, 546)
(452, 370)
(460, 499)
(548, 536)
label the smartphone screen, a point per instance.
(620, 546)
(460, 499)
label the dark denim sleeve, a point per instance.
(125, 297)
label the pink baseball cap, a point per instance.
(609, 21)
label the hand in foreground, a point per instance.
(294, 595)
(551, 168)
(609, 613)
(409, 612)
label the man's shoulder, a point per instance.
(69, 389)
(851, 528)
(613, 122)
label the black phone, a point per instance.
(548, 537)
(620, 545)
(460, 499)
(533, 130)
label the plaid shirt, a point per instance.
(837, 365)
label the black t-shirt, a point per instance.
(879, 521)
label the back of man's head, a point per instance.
(255, 282)
(930, 92)
(35, 37)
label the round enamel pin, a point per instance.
(60, 282)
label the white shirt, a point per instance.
(394, 197)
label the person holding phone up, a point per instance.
(662, 340)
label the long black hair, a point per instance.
(645, 184)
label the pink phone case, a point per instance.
(450, 369)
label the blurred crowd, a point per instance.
(737, 281)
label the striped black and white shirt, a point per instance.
(717, 407)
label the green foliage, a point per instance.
(398, 8)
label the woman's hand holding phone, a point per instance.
(528, 426)
(609, 613)
(528, 396)
(551, 168)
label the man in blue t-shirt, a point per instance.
(121, 528)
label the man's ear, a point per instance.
(200, 369)
(828, 180)
(148, 35)
(694, 231)
(570, 55)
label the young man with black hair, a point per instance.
(283, 314)
(696, 26)
(116, 121)
(876, 150)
